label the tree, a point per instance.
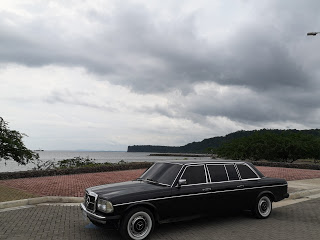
(274, 145)
(12, 146)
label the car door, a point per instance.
(250, 181)
(189, 199)
(226, 187)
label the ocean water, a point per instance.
(99, 157)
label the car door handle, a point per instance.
(240, 186)
(206, 189)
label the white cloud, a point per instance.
(107, 74)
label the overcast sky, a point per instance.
(102, 75)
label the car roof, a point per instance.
(188, 162)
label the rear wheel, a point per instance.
(137, 224)
(263, 207)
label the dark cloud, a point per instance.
(134, 48)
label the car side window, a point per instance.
(217, 173)
(232, 173)
(194, 175)
(245, 172)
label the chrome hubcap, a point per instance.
(139, 225)
(264, 206)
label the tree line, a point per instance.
(269, 144)
(275, 145)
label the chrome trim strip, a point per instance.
(237, 170)
(202, 162)
(208, 173)
(196, 184)
(90, 213)
(176, 176)
(229, 181)
(234, 169)
(225, 168)
(236, 180)
(194, 194)
(92, 194)
(171, 162)
(205, 172)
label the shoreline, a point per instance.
(179, 155)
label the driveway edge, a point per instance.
(39, 200)
(57, 199)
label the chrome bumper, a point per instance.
(93, 216)
(97, 217)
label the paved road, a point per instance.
(297, 221)
(74, 185)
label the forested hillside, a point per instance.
(257, 144)
(286, 146)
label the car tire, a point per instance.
(263, 207)
(137, 224)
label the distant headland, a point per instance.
(210, 143)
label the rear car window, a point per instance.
(232, 173)
(246, 172)
(217, 173)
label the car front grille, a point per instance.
(90, 201)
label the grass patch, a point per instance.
(11, 194)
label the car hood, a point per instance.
(132, 188)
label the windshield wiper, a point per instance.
(149, 180)
(153, 181)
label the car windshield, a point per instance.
(161, 173)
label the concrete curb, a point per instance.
(57, 199)
(304, 193)
(39, 200)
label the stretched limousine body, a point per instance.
(173, 190)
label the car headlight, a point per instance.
(105, 206)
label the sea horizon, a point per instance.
(97, 156)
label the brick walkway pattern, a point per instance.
(299, 221)
(75, 185)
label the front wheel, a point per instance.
(137, 224)
(263, 207)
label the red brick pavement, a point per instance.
(290, 174)
(74, 185)
(69, 185)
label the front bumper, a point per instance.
(97, 217)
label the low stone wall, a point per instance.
(68, 171)
(128, 166)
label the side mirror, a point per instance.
(182, 182)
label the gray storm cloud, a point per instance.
(133, 48)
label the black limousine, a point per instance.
(173, 190)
